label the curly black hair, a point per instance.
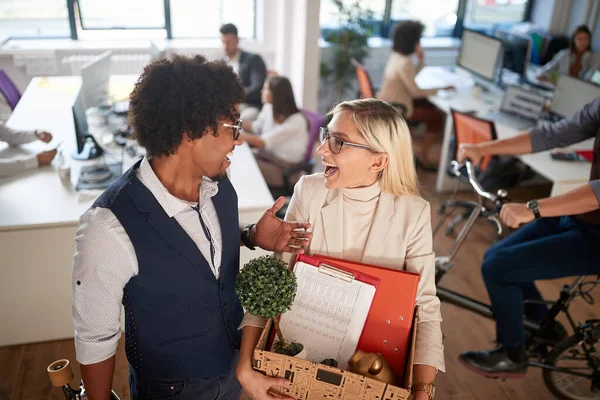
(182, 95)
(406, 36)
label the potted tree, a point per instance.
(267, 288)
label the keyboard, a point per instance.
(509, 120)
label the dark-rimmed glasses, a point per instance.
(236, 128)
(336, 145)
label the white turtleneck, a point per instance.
(359, 210)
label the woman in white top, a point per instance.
(280, 131)
(366, 208)
(576, 61)
(399, 86)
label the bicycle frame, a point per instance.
(444, 264)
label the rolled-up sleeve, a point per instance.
(581, 126)
(420, 258)
(103, 264)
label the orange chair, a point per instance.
(469, 129)
(365, 85)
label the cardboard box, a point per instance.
(310, 380)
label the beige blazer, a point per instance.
(400, 238)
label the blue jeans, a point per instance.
(547, 248)
(213, 388)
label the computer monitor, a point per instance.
(87, 147)
(480, 54)
(517, 51)
(571, 95)
(595, 78)
(95, 77)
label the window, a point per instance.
(492, 12)
(330, 17)
(192, 18)
(438, 16)
(34, 18)
(120, 14)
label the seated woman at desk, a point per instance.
(577, 61)
(366, 208)
(399, 86)
(280, 132)
(11, 166)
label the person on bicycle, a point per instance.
(561, 238)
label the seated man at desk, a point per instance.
(559, 230)
(250, 68)
(11, 166)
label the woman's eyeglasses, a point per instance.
(336, 145)
(236, 128)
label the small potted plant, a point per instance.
(267, 288)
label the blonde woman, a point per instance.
(366, 208)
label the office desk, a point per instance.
(564, 175)
(39, 215)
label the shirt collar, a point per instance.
(171, 204)
(235, 58)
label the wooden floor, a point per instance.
(23, 368)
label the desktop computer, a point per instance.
(517, 52)
(571, 95)
(87, 147)
(95, 77)
(480, 55)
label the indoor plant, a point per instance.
(347, 42)
(267, 288)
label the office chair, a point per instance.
(469, 129)
(291, 174)
(9, 89)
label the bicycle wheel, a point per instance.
(569, 354)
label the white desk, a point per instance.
(39, 215)
(564, 175)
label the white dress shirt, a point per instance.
(11, 166)
(234, 62)
(105, 261)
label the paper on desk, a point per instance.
(328, 314)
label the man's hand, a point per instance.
(44, 136)
(46, 157)
(515, 214)
(274, 234)
(471, 151)
(257, 385)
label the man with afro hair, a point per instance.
(164, 241)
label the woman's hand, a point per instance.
(44, 136)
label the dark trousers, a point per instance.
(547, 248)
(213, 388)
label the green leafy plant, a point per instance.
(289, 349)
(347, 42)
(267, 288)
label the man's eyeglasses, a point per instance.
(236, 127)
(336, 145)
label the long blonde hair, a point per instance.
(385, 131)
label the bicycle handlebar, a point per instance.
(498, 198)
